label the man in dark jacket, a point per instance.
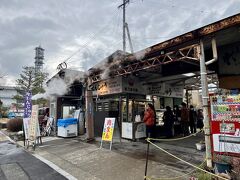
(185, 119)
(192, 119)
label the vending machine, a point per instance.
(225, 123)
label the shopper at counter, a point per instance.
(192, 119)
(168, 120)
(149, 120)
(200, 119)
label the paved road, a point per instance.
(17, 164)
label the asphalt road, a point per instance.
(17, 164)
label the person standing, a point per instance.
(185, 119)
(200, 119)
(177, 119)
(192, 119)
(168, 120)
(149, 120)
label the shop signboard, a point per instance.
(108, 129)
(225, 123)
(165, 90)
(109, 86)
(119, 85)
(132, 85)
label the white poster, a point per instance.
(34, 124)
(226, 143)
(26, 124)
(127, 130)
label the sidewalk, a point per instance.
(85, 161)
(17, 164)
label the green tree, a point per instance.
(29, 80)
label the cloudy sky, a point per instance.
(92, 29)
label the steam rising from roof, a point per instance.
(59, 84)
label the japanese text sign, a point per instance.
(27, 104)
(33, 123)
(108, 128)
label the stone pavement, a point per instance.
(85, 161)
(17, 164)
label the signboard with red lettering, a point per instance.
(108, 129)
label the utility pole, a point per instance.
(205, 97)
(129, 38)
(123, 5)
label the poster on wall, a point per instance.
(225, 123)
(108, 129)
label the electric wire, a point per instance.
(92, 37)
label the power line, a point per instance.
(93, 36)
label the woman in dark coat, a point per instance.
(200, 119)
(168, 120)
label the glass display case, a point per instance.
(133, 126)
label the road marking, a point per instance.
(55, 167)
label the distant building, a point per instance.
(39, 57)
(6, 95)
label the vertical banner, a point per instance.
(33, 128)
(27, 113)
(108, 129)
(27, 104)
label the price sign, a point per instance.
(108, 129)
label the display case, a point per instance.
(133, 126)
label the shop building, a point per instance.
(64, 103)
(168, 66)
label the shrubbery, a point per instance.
(15, 125)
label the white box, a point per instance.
(69, 131)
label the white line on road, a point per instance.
(55, 167)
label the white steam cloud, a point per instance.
(58, 86)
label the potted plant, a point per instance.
(200, 145)
(221, 163)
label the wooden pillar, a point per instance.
(89, 112)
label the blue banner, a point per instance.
(27, 105)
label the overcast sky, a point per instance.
(93, 28)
